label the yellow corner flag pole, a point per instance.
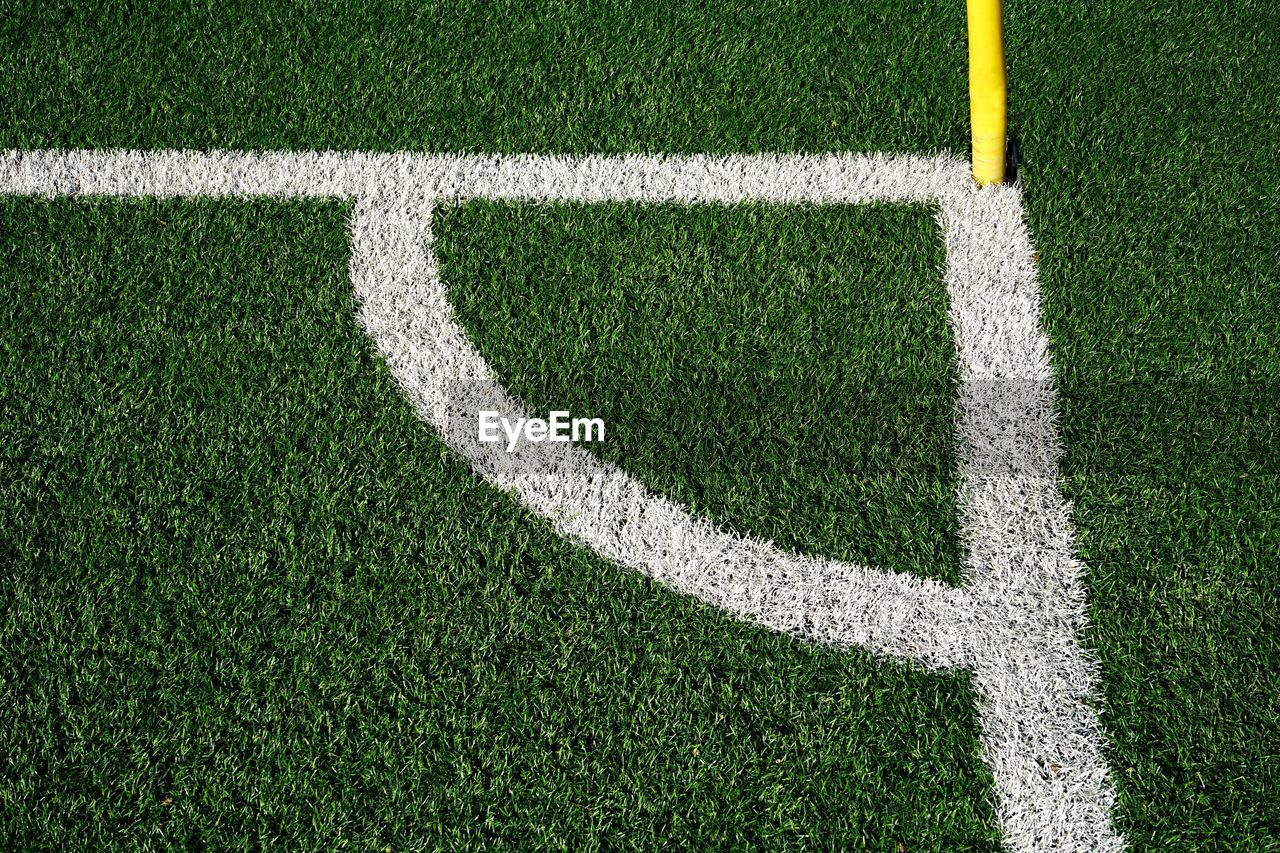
(987, 89)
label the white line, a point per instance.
(816, 179)
(1014, 624)
(405, 308)
(1034, 681)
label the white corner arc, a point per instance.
(1015, 623)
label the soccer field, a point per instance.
(259, 592)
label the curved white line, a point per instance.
(404, 307)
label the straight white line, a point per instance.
(815, 179)
(1014, 624)
(1034, 681)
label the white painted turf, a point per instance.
(1015, 622)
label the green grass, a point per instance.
(751, 362)
(1153, 186)
(503, 76)
(1156, 211)
(251, 596)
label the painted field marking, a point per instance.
(1015, 622)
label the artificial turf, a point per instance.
(785, 371)
(1153, 188)
(251, 597)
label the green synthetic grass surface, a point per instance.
(251, 596)
(1152, 181)
(750, 362)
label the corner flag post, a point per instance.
(987, 89)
